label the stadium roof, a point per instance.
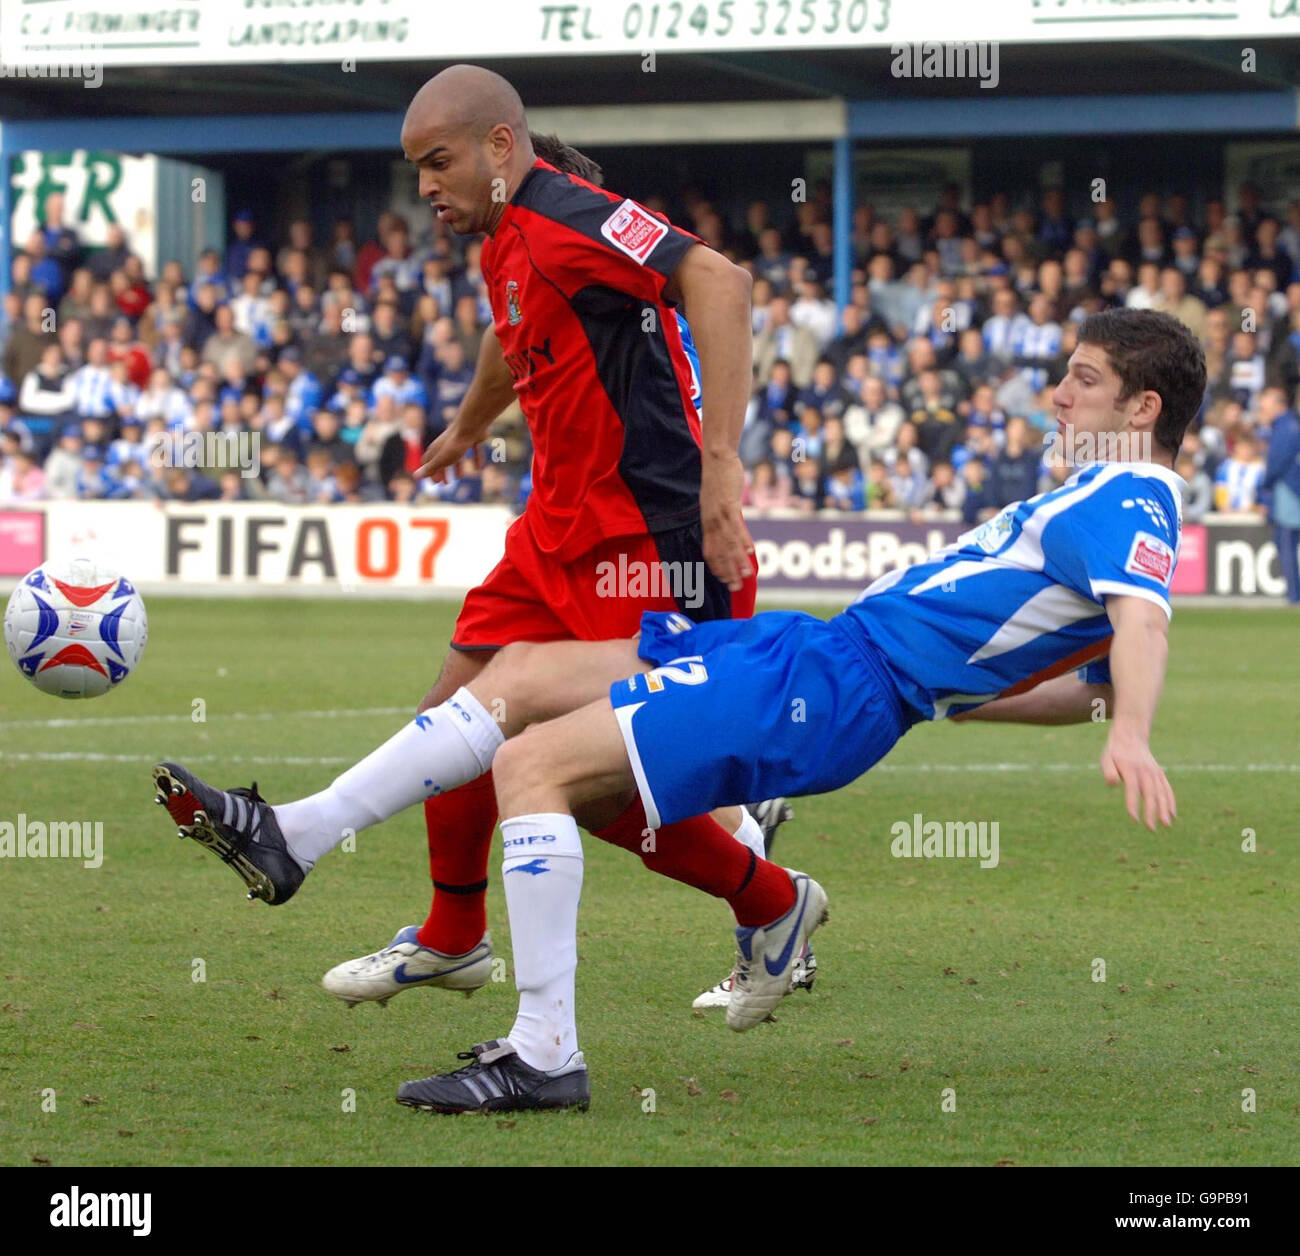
(1079, 69)
(1111, 87)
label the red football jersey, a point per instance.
(575, 275)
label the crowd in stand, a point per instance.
(925, 388)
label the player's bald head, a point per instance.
(466, 133)
(463, 100)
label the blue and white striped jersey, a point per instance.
(1021, 598)
(90, 391)
(1042, 342)
(1003, 332)
(1240, 482)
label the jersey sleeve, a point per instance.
(633, 251)
(1120, 539)
(592, 239)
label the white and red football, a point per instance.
(75, 629)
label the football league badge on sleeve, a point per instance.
(634, 230)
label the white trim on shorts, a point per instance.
(624, 716)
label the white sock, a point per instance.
(750, 834)
(542, 873)
(445, 747)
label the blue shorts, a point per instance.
(736, 711)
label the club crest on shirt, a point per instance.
(991, 536)
(513, 312)
(633, 230)
(1150, 557)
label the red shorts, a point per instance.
(529, 596)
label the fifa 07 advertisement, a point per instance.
(270, 547)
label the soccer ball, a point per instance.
(75, 629)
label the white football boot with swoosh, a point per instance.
(404, 964)
(766, 955)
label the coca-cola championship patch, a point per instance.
(633, 230)
(1150, 557)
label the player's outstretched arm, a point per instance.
(716, 296)
(1061, 700)
(1137, 670)
(490, 391)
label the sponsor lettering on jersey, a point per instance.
(524, 363)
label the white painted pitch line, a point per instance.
(89, 756)
(101, 721)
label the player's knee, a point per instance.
(521, 762)
(515, 680)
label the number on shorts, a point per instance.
(693, 674)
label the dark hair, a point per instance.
(1150, 349)
(565, 158)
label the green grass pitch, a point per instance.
(943, 984)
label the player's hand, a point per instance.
(1129, 761)
(727, 546)
(444, 451)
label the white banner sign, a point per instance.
(248, 548)
(131, 32)
(264, 545)
(98, 189)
